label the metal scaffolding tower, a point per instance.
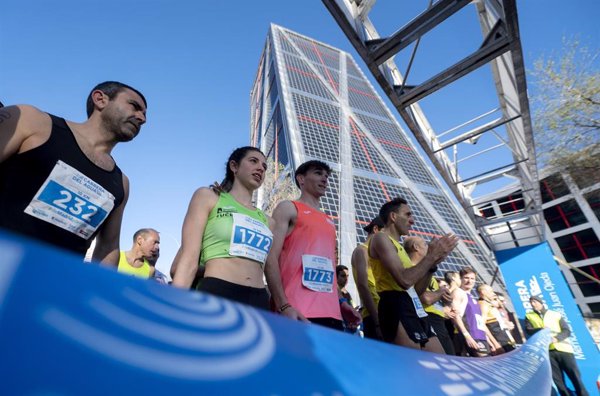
(508, 125)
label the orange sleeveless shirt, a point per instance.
(313, 234)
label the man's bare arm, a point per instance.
(283, 217)
(360, 265)
(431, 297)
(185, 264)
(423, 283)
(458, 301)
(384, 250)
(108, 239)
(22, 128)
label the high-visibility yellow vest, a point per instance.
(551, 320)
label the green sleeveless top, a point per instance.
(232, 230)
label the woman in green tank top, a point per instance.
(225, 233)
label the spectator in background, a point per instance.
(514, 326)
(342, 274)
(155, 274)
(493, 320)
(562, 359)
(146, 243)
(452, 279)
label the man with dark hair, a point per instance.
(145, 248)
(300, 268)
(473, 337)
(58, 180)
(110, 89)
(312, 165)
(401, 314)
(562, 359)
(365, 282)
(342, 274)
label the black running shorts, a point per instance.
(397, 307)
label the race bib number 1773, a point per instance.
(317, 273)
(72, 201)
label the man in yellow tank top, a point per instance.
(365, 282)
(401, 314)
(146, 245)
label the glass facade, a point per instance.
(564, 215)
(319, 105)
(571, 212)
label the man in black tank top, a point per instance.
(58, 181)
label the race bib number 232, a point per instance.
(72, 201)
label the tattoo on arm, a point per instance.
(4, 115)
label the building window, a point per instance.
(580, 245)
(564, 215)
(488, 211)
(593, 199)
(511, 204)
(553, 187)
(595, 308)
(588, 287)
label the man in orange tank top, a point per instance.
(300, 268)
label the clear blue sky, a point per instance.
(195, 61)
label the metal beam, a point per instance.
(491, 200)
(491, 174)
(500, 48)
(475, 132)
(423, 23)
(474, 61)
(513, 230)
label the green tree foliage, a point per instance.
(566, 110)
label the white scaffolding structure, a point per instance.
(501, 49)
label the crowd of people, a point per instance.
(59, 184)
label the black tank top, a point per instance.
(56, 194)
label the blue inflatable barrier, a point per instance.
(68, 328)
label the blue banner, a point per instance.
(70, 328)
(532, 271)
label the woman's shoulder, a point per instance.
(205, 196)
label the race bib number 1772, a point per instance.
(250, 238)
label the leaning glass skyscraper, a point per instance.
(311, 101)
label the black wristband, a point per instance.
(433, 269)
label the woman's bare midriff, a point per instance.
(236, 270)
